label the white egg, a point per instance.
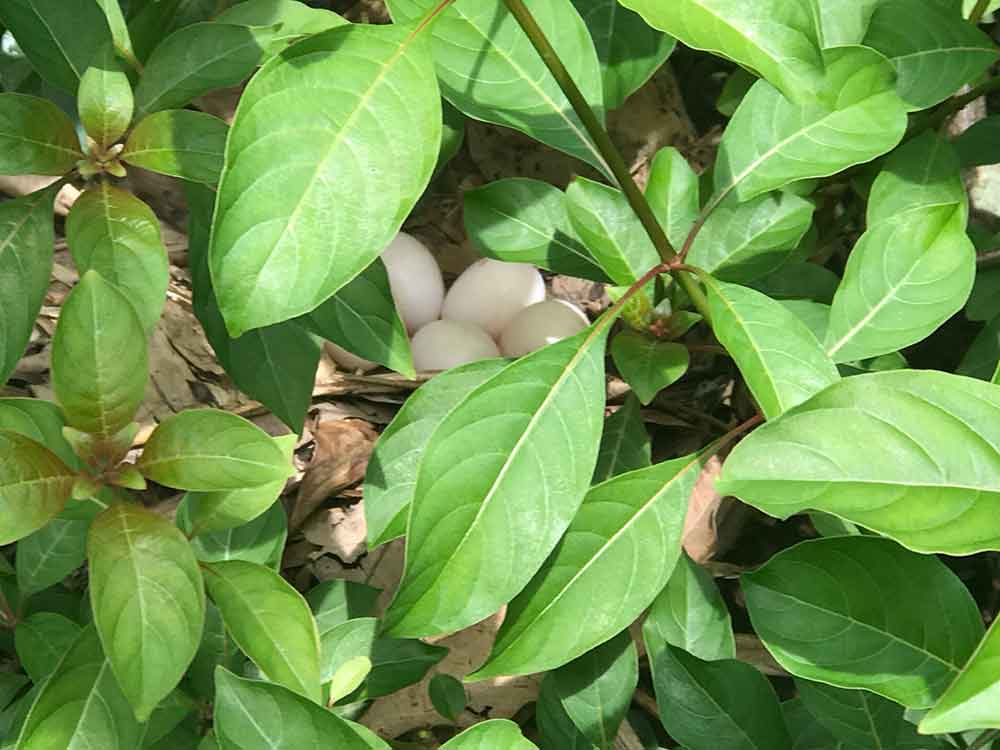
(415, 280)
(540, 325)
(444, 344)
(347, 361)
(489, 293)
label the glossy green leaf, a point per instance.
(980, 361)
(53, 552)
(971, 701)
(775, 38)
(925, 474)
(556, 730)
(270, 622)
(488, 480)
(625, 443)
(487, 735)
(780, 359)
(844, 23)
(118, 26)
(984, 302)
(59, 37)
(447, 696)
(690, 613)
(489, 71)
(608, 226)
(934, 49)
(42, 640)
(336, 601)
(36, 137)
(771, 141)
(112, 232)
(630, 51)
(26, 240)
(81, 705)
(806, 733)
(11, 684)
(251, 715)
(34, 486)
(261, 540)
(648, 365)
(99, 359)
(616, 556)
(196, 59)
(168, 720)
(296, 18)
(349, 678)
(815, 315)
(319, 197)
(859, 719)
(856, 612)
(715, 705)
(214, 512)
(391, 477)
(105, 101)
(180, 143)
(980, 144)
(674, 194)
(148, 601)
(596, 688)
(799, 281)
(744, 241)
(42, 421)
(735, 88)
(525, 221)
(363, 319)
(210, 451)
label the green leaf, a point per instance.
(213, 512)
(616, 556)
(805, 731)
(596, 688)
(690, 613)
(861, 612)
(11, 684)
(41, 421)
(488, 480)
(363, 319)
(349, 678)
(180, 143)
(925, 473)
(26, 240)
(196, 59)
(251, 715)
(980, 361)
(648, 365)
(42, 640)
(54, 551)
(555, 728)
(629, 50)
(744, 241)
(99, 359)
(777, 39)
(715, 705)
(148, 601)
(980, 144)
(525, 221)
(799, 280)
(59, 37)
(36, 137)
(487, 735)
(114, 233)
(935, 50)
(674, 194)
(625, 443)
(34, 486)
(488, 70)
(780, 359)
(447, 696)
(270, 622)
(81, 705)
(844, 23)
(391, 476)
(261, 540)
(105, 99)
(210, 451)
(297, 19)
(970, 702)
(167, 721)
(607, 225)
(337, 601)
(860, 719)
(319, 197)
(984, 302)
(118, 27)
(863, 118)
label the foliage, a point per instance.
(829, 238)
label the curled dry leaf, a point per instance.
(339, 531)
(713, 522)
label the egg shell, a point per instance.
(489, 293)
(540, 325)
(415, 280)
(444, 344)
(347, 361)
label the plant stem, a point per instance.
(609, 152)
(985, 739)
(956, 104)
(988, 259)
(976, 16)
